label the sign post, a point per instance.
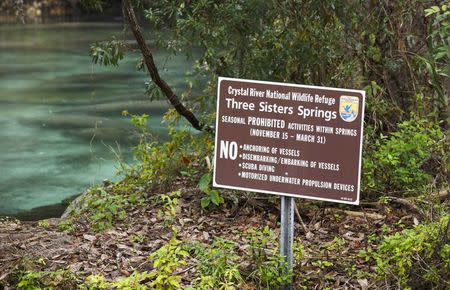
(287, 235)
(290, 140)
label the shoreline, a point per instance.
(54, 210)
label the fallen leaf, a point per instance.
(90, 238)
(363, 283)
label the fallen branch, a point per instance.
(129, 14)
(376, 216)
(352, 213)
(406, 203)
(443, 194)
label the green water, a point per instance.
(59, 113)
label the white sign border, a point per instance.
(215, 184)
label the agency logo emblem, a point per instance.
(348, 108)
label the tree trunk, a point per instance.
(130, 15)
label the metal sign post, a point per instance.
(287, 236)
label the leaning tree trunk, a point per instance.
(130, 15)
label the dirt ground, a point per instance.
(115, 253)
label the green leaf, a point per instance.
(432, 10)
(215, 198)
(205, 182)
(205, 202)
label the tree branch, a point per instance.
(128, 12)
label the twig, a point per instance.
(9, 259)
(299, 217)
(183, 271)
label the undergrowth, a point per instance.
(101, 207)
(268, 267)
(405, 161)
(416, 258)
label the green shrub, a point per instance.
(168, 206)
(182, 155)
(136, 281)
(166, 260)
(102, 207)
(217, 266)
(212, 195)
(137, 238)
(38, 280)
(95, 282)
(398, 162)
(66, 225)
(417, 258)
(269, 267)
(44, 224)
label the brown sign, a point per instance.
(288, 139)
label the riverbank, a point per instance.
(329, 240)
(44, 212)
